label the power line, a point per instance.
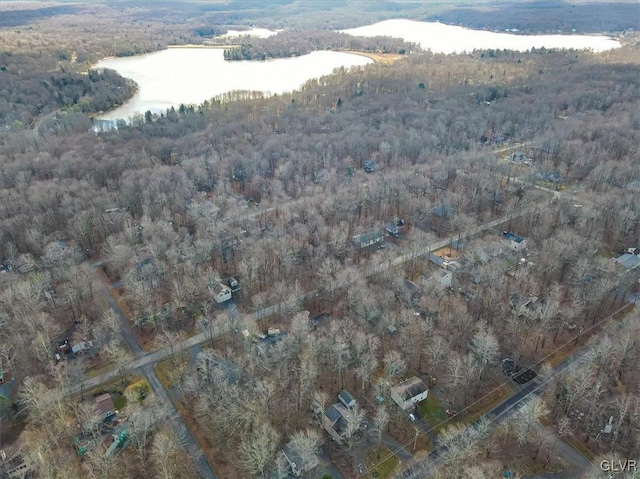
(543, 359)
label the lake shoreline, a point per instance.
(196, 45)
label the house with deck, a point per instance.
(221, 293)
(335, 421)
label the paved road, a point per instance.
(146, 358)
(507, 408)
(125, 326)
(568, 454)
(205, 471)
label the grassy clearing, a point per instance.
(139, 390)
(382, 469)
(119, 401)
(384, 58)
(432, 410)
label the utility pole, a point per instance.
(415, 439)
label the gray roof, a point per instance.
(346, 396)
(629, 260)
(294, 456)
(332, 413)
(338, 414)
(443, 210)
(411, 388)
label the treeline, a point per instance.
(296, 43)
(546, 17)
(29, 92)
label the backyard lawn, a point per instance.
(432, 410)
(378, 466)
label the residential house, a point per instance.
(530, 308)
(265, 344)
(443, 278)
(346, 398)
(630, 260)
(221, 293)
(394, 228)
(104, 405)
(407, 292)
(516, 243)
(233, 283)
(443, 210)
(550, 177)
(409, 392)
(335, 421)
(298, 464)
(367, 239)
(81, 347)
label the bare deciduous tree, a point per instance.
(258, 448)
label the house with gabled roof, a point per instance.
(409, 392)
(516, 243)
(221, 292)
(298, 464)
(104, 405)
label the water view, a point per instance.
(252, 32)
(441, 38)
(192, 75)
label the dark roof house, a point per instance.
(336, 421)
(346, 398)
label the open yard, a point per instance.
(380, 462)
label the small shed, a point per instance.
(346, 398)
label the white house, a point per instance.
(407, 393)
(221, 293)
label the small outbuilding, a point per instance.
(346, 398)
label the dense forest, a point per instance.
(114, 245)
